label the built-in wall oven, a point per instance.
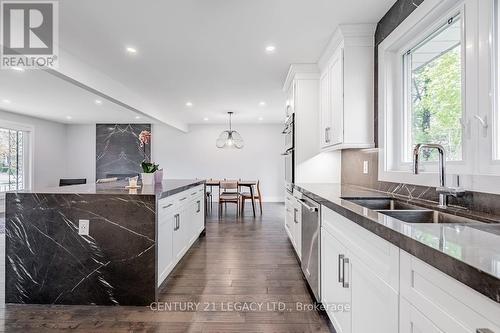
(289, 152)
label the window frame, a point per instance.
(28, 135)
(406, 124)
(425, 20)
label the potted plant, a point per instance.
(148, 174)
(151, 173)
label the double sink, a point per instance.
(407, 212)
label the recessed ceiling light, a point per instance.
(270, 49)
(137, 117)
(69, 117)
(189, 104)
(131, 50)
(19, 69)
(205, 119)
(6, 101)
(260, 118)
(262, 103)
(98, 102)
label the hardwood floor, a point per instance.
(241, 277)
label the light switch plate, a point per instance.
(365, 167)
(83, 227)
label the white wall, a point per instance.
(194, 155)
(80, 152)
(49, 148)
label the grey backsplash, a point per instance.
(118, 150)
(479, 204)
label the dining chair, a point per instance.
(209, 195)
(72, 181)
(228, 193)
(248, 196)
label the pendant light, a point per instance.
(230, 138)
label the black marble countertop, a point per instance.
(167, 188)
(468, 253)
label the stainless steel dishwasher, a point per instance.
(310, 253)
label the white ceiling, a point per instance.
(208, 52)
(39, 94)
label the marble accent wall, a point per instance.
(48, 262)
(118, 149)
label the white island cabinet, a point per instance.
(181, 219)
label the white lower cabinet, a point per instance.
(391, 291)
(353, 281)
(432, 301)
(412, 321)
(334, 293)
(181, 219)
(293, 222)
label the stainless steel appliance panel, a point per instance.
(311, 244)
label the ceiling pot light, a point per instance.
(262, 104)
(69, 117)
(189, 104)
(131, 50)
(205, 119)
(230, 138)
(6, 101)
(270, 49)
(98, 102)
(19, 69)
(261, 118)
(137, 117)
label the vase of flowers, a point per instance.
(149, 168)
(159, 176)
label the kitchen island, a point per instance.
(135, 238)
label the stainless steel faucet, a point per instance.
(443, 190)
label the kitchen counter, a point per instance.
(468, 253)
(49, 262)
(166, 188)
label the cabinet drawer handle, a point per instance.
(341, 268)
(176, 222)
(194, 193)
(169, 205)
(183, 199)
(345, 269)
(199, 206)
(484, 330)
(295, 211)
(327, 135)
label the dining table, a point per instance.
(241, 183)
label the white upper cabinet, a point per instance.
(346, 89)
(301, 86)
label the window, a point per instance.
(12, 160)
(496, 65)
(439, 82)
(433, 92)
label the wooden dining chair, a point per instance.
(228, 193)
(248, 196)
